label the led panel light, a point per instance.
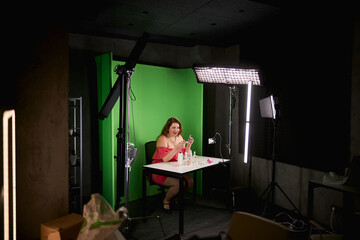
(231, 76)
(267, 107)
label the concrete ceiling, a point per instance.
(179, 22)
(220, 23)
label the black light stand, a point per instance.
(230, 191)
(118, 92)
(125, 149)
(130, 150)
(130, 157)
(240, 75)
(232, 101)
(270, 189)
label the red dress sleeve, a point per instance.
(162, 152)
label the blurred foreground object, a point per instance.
(101, 220)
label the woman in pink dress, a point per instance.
(169, 143)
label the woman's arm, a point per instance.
(163, 143)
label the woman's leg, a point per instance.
(173, 190)
(189, 182)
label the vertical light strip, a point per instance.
(6, 175)
(273, 107)
(13, 147)
(247, 123)
(6, 116)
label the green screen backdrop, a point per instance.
(159, 93)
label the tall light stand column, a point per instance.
(231, 89)
(130, 157)
(231, 192)
(127, 156)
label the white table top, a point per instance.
(202, 162)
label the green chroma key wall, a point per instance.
(160, 93)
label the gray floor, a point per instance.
(203, 218)
(206, 218)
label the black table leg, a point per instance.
(181, 205)
(194, 187)
(144, 193)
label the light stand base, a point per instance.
(230, 197)
(229, 190)
(241, 198)
(125, 227)
(270, 190)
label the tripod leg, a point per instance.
(270, 192)
(124, 229)
(263, 193)
(147, 217)
(233, 201)
(292, 204)
(161, 225)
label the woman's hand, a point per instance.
(180, 145)
(189, 143)
(174, 151)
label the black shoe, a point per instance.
(174, 204)
(168, 211)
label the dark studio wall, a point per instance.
(38, 92)
(306, 64)
(313, 132)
